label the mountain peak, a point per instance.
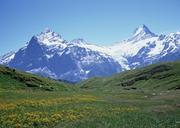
(143, 31)
(49, 33)
(49, 37)
(47, 30)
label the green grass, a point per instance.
(143, 98)
(14, 79)
(165, 76)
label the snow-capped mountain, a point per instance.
(141, 33)
(145, 48)
(48, 54)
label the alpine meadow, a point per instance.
(89, 64)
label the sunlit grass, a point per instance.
(50, 112)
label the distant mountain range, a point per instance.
(49, 55)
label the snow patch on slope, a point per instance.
(5, 59)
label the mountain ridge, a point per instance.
(48, 54)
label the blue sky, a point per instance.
(97, 21)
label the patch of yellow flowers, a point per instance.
(16, 114)
(29, 113)
(7, 106)
(48, 102)
(39, 119)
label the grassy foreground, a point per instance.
(121, 101)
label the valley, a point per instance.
(151, 100)
(89, 64)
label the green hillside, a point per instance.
(143, 98)
(165, 76)
(15, 79)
